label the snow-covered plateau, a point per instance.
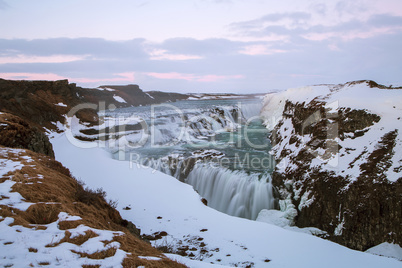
(338, 153)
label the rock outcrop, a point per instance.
(17, 133)
(338, 150)
(38, 102)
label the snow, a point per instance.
(284, 220)
(61, 104)
(161, 203)
(8, 165)
(193, 263)
(119, 99)
(12, 199)
(29, 247)
(386, 103)
(105, 88)
(339, 228)
(202, 96)
(149, 95)
(387, 250)
(274, 103)
(107, 126)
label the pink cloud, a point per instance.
(351, 35)
(179, 76)
(254, 50)
(193, 77)
(161, 54)
(215, 78)
(128, 77)
(41, 59)
(31, 76)
(121, 77)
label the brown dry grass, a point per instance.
(32, 250)
(68, 195)
(78, 240)
(64, 225)
(135, 262)
(41, 213)
(98, 255)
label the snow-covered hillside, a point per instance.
(48, 219)
(339, 159)
(172, 211)
(386, 103)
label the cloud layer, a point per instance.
(273, 51)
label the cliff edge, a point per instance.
(339, 159)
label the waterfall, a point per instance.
(250, 110)
(232, 192)
(187, 142)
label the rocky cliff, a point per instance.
(43, 106)
(15, 132)
(339, 159)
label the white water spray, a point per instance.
(232, 192)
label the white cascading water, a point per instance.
(250, 110)
(232, 192)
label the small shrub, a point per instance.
(57, 166)
(113, 203)
(167, 247)
(42, 214)
(89, 196)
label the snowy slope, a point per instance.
(386, 103)
(42, 244)
(159, 203)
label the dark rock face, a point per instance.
(358, 212)
(17, 133)
(36, 101)
(131, 94)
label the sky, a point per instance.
(239, 46)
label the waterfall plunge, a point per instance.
(232, 192)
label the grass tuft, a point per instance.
(98, 255)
